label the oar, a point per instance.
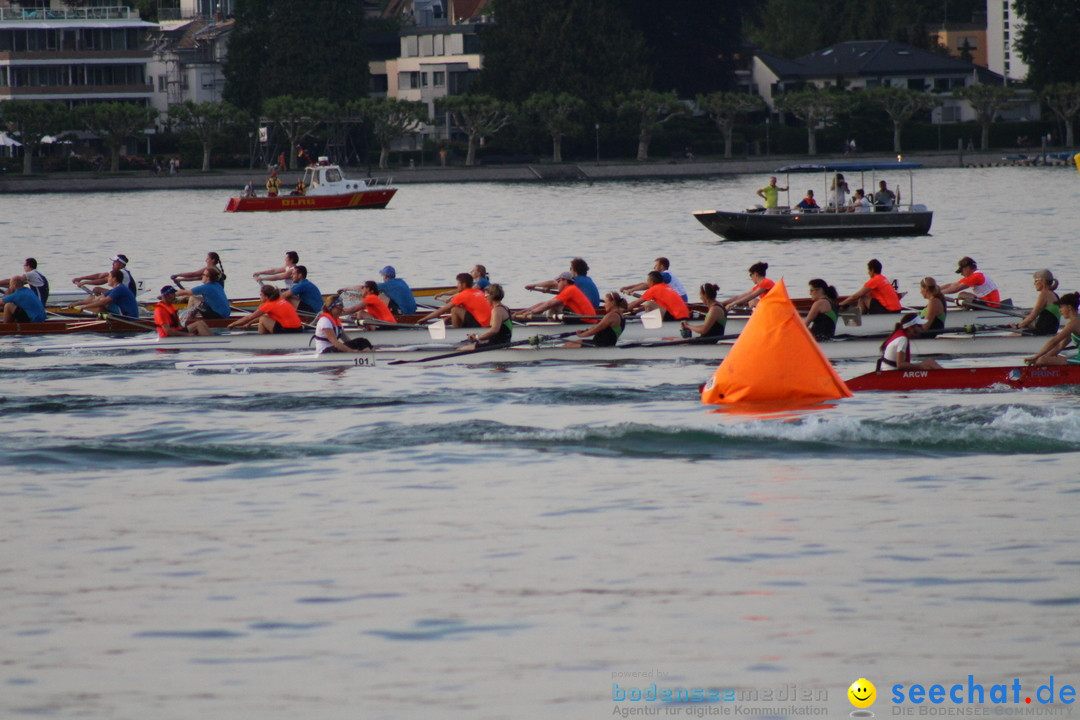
(536, 340)
(999, 309)
(700, 340)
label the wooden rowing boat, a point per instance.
(1010, 376)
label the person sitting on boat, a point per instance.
(877, 295)
(607, 332)
(934, 312)
(275, 314)
(896, 350)
(480, 277)
(1050, 354)
(715, 320)
(213, 262)
(982, 287)
(303, 294)
(770, 194)
(884, 198)
(119, 262)
(167, 319)
(808, 203)
(22, 304)
(273, 185)
(568, 299)
(301, 188)
(838, 193)
(663, 266)
(284, 272)
(661, 295)
(1045, 317)
(825, 309)
(468, 308)
(501, 327)
(859, 202)
(400, 298)
(117, 300)
(371, 306)
(762, 285)
(215, 303)
(249, 189)
(330, 335)
(37, 282)
(580, 270)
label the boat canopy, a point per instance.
(849, 166)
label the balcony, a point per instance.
(75, 91)
(69, 13)
(81, 56)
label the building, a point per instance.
(75, 55)
(966, 41)
(1003, 25)
(187, 61)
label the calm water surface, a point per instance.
(492, 542)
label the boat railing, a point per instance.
(380, 183)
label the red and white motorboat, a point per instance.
(325, 188)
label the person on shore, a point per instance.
(330, 336)
(884, 199)
(877, 295)
(304, 294)
(762, 285)
(981, 286)
(808, 203)
(285, 272)
(273, 185)
(167, 319)
(213, 262)
(501, 328)
(275, 314)
(1050, 354)
(770, 194)
(371, 306)
(117, 300)
(580, 270)
(607, 332)
(468, 308)
(21, 304)
(1045, 317)
(824, 310)
(37, 282)
(715, 320)
(661, 295)
(215, 305)
(95, 281)
(935, 311)
(663, 266)
(838, 193)
(480, 277)
(896, 350)
(567, 298)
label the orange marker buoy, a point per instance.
(775, 360)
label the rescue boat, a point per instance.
(325, 187)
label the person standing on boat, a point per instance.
(284, 272)
(568, 298)
(661, 295)
(468, 308)
(330, 335)
(119, 262)
(501, 327)
(896, 350)
(213, 262)
(877, 295)
(304, 294)
(808, 203)
(1070, 333)
(371, 307)
(22, 304)
(982, 287)
(275, 315)
(934, 312)
(167, 319)
(607, 332)
(838, 193)
(821, 319)
(715, 320)
(215, 302)
(1045, 317)
(273, 185)
(762, 285)
(117, 300)
(770, 194)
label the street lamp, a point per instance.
(768, 121)
(597, 126)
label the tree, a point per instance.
(900, 104)
(477, 116)
(987, 101)
(1063, 99)
(393, 119)
(115, 123)
(814, 107)
(297, 118)
(724, 108)
(1047, 40)
(651, 110)
(206, 121)
(30, 121)
(295, 47)
(556, 113)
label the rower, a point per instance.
(275, 315)
(877, 295)
(663, 266)
(1050, 354)
(213, 262)
(22, 304)
(119, 262)
(468, 308)
(762, 285)
(117, 300)
(500, 328)
(607, 332)
(661, 295)
(34, 280)
(568, 298)
(580, 270)
(982, 287)
(1045, 317)
(480, 277)
(304, 295)
(215, 304)
(371, 307)
(712, 326)
(167, 319)
(821, 319)
(934, 313)
(285, 272)
(896, 350)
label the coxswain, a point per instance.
(119, 262)
(500, 327)
(607, 332)
(821, 318)
(568, 298)
(371, 306)
(117, 300)
(715, 320)
(273, 185)
(275, 314)
(330, 335)
(468, 308)
(22, 304)
(661, 295)
(981, 287)
(1050, 354)
(896, 350)
(877, 295)
(762, 285)
(1045, 317)
(167, 319)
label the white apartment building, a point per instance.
(1003, 26)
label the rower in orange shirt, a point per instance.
(877, 295)
(371, 307)
(660, 294)
(469, 308)
(275, 315)
(982, 288)
(569, 297)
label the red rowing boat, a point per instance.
(967, 378)
(325, 188)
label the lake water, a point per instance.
(514, 542)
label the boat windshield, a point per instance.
(310, 178)
(333, 175)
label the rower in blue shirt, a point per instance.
(118, 300)
(22, 303)
(213, 294)
(397, 291)
(303, 294)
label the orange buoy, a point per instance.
(774, 360)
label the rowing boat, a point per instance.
(1016, 377)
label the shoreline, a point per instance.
(232, 179)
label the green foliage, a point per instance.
(987, 101)
(393, 119)
(900, 104)
(724, 108)
(206, 121)
(1063, 99)
(1048, 40)
(115, 123)
(298, 117)
(814, 107)
(28, 121)
(477, 116)
(557, 114)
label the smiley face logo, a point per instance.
(862, 693)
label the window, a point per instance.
(207, 81)
(423, 79)
(162, 83)
(438, 78)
